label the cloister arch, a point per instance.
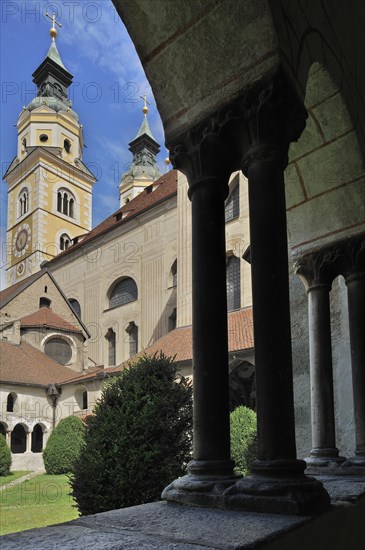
(220, 117)
(19, 439)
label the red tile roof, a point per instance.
(24, 364)
(178, 342)
(45, 317)
(166, 187)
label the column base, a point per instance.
(278, 487)
(356, 462)
(204, 485)
(322, 461)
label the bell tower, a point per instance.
(49, 187)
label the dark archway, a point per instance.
(37, 439)
(18, 439)
(2, 429)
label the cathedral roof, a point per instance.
(24, 364)
(45, 317)
(166, 187)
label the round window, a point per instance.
(43, 138)
(59, 350)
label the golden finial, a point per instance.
(167, 162)
(53, 30)
(145, 108)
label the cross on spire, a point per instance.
(53, 30)
(145, 108)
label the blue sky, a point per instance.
(108, 82)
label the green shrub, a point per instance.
(138, 440)
(243, 439)
(64, 445)
(5, 457)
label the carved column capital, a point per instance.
(275, 116)
(319, 269)
(352, 264)
(207, 152)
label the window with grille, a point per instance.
(59, 350)
(233, 283)
(233, 205)
(75, 306)
(124, 292)
(111, 338)
(132, 330)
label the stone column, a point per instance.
(205, 160)
(275, 118)
(28, 436)
(315, 273)
(355, 281)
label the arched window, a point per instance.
(24, 143)
(123, 292)
(172, 320)
(67, 146)
(66, 203)
(44, 302)
(85, 404)
(18, 442)
(10, 402)
(233, 283)
(132, 330)
(23, 202)
(111, 339)
(75, 306)
(37, 439)
(65, 241)
(233, 204)
(59, 350)
(174, 273)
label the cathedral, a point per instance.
(81, 302)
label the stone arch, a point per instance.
(37, 438)
(18, 438)
(325, 169)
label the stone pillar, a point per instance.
(8, 438)
(278, 483)
(315, 271)
(355, 281)
(206, 162)
(28, 436)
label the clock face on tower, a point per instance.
(21, 240)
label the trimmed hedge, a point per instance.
(243, 439)
(64, 445)
(138, 440)
(5, 457)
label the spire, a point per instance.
(143, 170)
(52, 78)
(145, 127)
(53, 51)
